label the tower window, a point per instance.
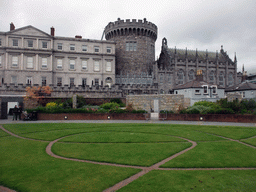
(131, 46)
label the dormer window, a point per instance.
(205, 87)
(214, 89)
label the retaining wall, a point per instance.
(210, 117)
(91, 116)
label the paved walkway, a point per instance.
(144, 169)
(9, 120)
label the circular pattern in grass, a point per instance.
(120, 147)
(119, 137)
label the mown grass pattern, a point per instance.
(25, 166)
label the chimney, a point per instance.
(52, 31)
(78, 36)
(12, 27)
(199, 75)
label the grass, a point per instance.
(120, 137)
(179, 181)
(122, 153)
(216, 154)
(25, 166)
(250, 141)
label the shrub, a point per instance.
(166, 111)
(51, 104)
(109, 106)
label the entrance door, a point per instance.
(4, 110)
(156, 105)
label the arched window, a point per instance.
(180, 77)
(191, 75)
(170, 79)
(161, 78)
(108, 81)
(221, 79)
(230, 79)
(211, 77)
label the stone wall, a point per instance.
(166, 102)
(233, 96)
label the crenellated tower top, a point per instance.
(128, 27)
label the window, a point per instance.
(243, 94)
(96, 81)
(169, 79)
(197, 91)
(44, 62)
(30, 43)
(96, 49)
(59, 63)
(96, 66)
(14, 79)
(84, 64)
(221, 79)
(43, 81)
(59, 46)
(131, 46)
(14, 61)
(84, 47)
(0, 60)
(15, 42)
(71, 81)
(180, 77)
(29, 80)
(230, 79)
(29, 62)
(211, 77)
(214, 90)
(59, 81)
(0, 42)
(71, 64)
(84, 82)
(108, 49)
(44, 45)
(191, 75)
(72, 47)
(205, 87)
(161, 78)
(108, 66)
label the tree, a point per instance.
(37, 94)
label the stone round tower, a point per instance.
(135, 45)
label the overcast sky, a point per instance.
(201, 24)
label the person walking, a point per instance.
(15, 113)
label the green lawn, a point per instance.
(179, 181)
(25, 166)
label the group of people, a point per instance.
(17, 112)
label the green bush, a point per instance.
(109, 106)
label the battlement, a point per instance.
(127, 27)
(94, 91)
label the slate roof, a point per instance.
(194, 84)
(191, 55)
(242, 87)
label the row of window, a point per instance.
(29, 80)
(72, 64)
(72, 47)
(84, 65)
(30, 43)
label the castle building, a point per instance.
(179, 66)
(31, 56)
(135, 50)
